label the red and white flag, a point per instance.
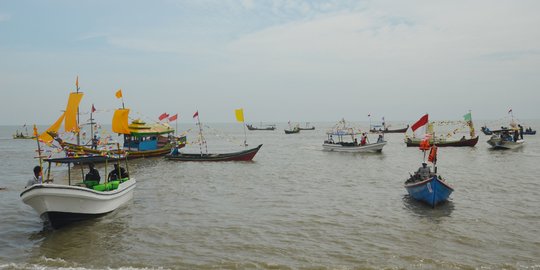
(174, 117)
(196, 114)
(420, 123)
(509, 111)
(163, 116)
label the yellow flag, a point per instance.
(239, 115)
(119, 93)
(35, 131)
(120, 121)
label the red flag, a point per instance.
(509, 111)
(423, 120)
(174, 117)
(196, 114)
(163, 116)
(93, 108)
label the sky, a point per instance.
(278, 60)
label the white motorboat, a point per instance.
(347, 147)
(60, 204)
(505, 139)
(336, 140)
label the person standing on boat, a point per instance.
(364, 139)
(95, 142)
(520, 131)
(38, 178)
(516, 135)
(93, 174)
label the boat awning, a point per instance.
(79, 160)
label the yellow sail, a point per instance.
(71, 124)
(45, 137)
(120, 121)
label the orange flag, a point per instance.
(35, 131)
(119, 93)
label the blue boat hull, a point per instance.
(431, 191)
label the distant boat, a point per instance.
(341, 143)
(505, 139)
(307, 127)
(529, 131)
(386, 130)
(425, 185)
(269, 127)
(20, 135)
(245, 155)
(292, 130)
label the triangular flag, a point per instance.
(174, 117)
(163, 116)
(196, 114)
(119, 93)
(93, 108)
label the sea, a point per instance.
(293, 207)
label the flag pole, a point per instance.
(245, 134)
(36, 134)
(78, 116)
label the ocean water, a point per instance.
(294, 207)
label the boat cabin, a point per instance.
(143, 137)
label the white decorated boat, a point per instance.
(60, 204)
(505, 139)
(338, 140)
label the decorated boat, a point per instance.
(426, 186)
(244, 155)
(59, 204)
(140, 140)
(386, 130)
(442, 141)
(505, 139)
(343, 139)
(268, 127)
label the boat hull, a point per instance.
(250, 127)
(431, 191)
(311, 128)
(498, 143)
(459, 143)
(402, 130)
(246, 155)
(63, 204)
(335, 147)
(292, 131)
(130, 154)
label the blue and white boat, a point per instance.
(432, 191)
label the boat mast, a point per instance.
(201, 137)
(78, 116)
(92, 124)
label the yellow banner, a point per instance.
(71, 124)
(119, 93)
(239, 115)
(45, 137)
(120, 121)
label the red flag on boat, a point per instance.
(196, 114)
(163, 116)
(174, 117)
(433, 154)
(420, 123)
(93, 108)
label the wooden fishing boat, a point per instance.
(307, 127)
(463, 142)
(386, 130)
(251, 127)
(292, 131)
(61, 204)
(426, 186)
(529, 131)
(432, 191)
(246, 155)
(19, 135)
(505, 139)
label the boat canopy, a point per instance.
(78, 160)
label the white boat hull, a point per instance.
(62, 204)
(498, 143)
(373, 147)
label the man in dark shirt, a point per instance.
(117, 173)
(93, 174)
